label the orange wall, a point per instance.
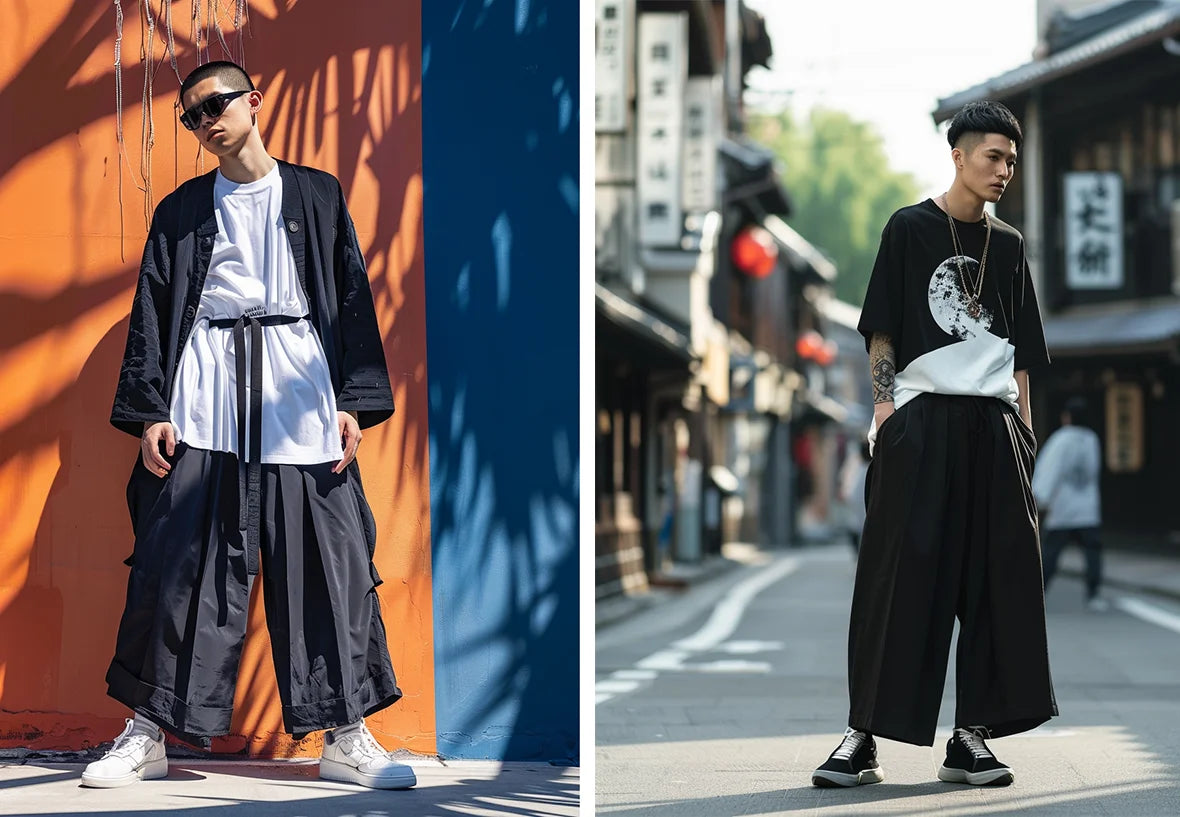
(342, 89)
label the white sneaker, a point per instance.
(356, 757)
(133, 757)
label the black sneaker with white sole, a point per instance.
(854, 762)
(968, 760)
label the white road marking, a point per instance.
(732, 665)
(664, 660)
(634, 674)
(616, 686)
(1149, 613)
(749, 647)
(728, 613)
(720, 626)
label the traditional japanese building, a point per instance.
(1097, 196)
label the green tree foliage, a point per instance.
(841, 186)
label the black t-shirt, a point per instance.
(916, 296)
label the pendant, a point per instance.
(974, 308)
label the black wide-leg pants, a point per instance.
(950, 531)
(181, 635)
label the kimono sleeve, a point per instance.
(882, 309)
(365, 386)
(140, 395)
(1029, 334)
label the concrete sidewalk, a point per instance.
(243, 788)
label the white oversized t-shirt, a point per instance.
(252, 270)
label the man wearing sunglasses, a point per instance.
(253, 361)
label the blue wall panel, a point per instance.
(500, 155)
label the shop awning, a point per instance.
(802, 256)
(638, 332)
(1145, 29)
(751, 178)
(819, 408)
(1118, 328)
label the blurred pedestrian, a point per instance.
(853, 476)
(952, 326)
(1065, 485)
(253, 360)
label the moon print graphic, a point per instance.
(948, 302)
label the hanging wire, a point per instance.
(226, 51)
(166, 14)
(119, 113)
(241, 17)
(170, 37)
(147, 51)
(195, 29)
(210, 14)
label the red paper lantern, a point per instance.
(809, 345)
(827, 353)
(754, 252)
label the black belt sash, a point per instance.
(250, 465)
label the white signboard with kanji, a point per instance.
(663, 73)
(612, 61)
(1093, 230)
(702, 117)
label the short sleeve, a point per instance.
(882, 309)
(1029, 335)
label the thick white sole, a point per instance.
(995, 777)
(403, 778)
(152, 770)
(825, 778)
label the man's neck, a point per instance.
(249, 164)
(963, 204)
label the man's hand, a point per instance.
(149, 447)
(1022, 400)
(350, 438)
(882, 412)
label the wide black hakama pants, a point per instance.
(181, 635)
(950, 531)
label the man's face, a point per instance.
(226, 133)
(987, 163)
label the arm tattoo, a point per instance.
(883, 365)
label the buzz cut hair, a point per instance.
(975, 119)
(232, 76)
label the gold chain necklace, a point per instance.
(973, 294)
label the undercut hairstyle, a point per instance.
(975, 119)
(232, 76)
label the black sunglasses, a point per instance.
(211, 107)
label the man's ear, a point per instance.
(255, 98)
(958, 156)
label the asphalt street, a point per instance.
(722, 701)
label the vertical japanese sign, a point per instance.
(1093, 230)
(612, 60)
(1124, 427)
(663, 73)
(702, 117)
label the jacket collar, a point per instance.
(292, 200)
(203, 196)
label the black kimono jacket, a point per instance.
(331, 269)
